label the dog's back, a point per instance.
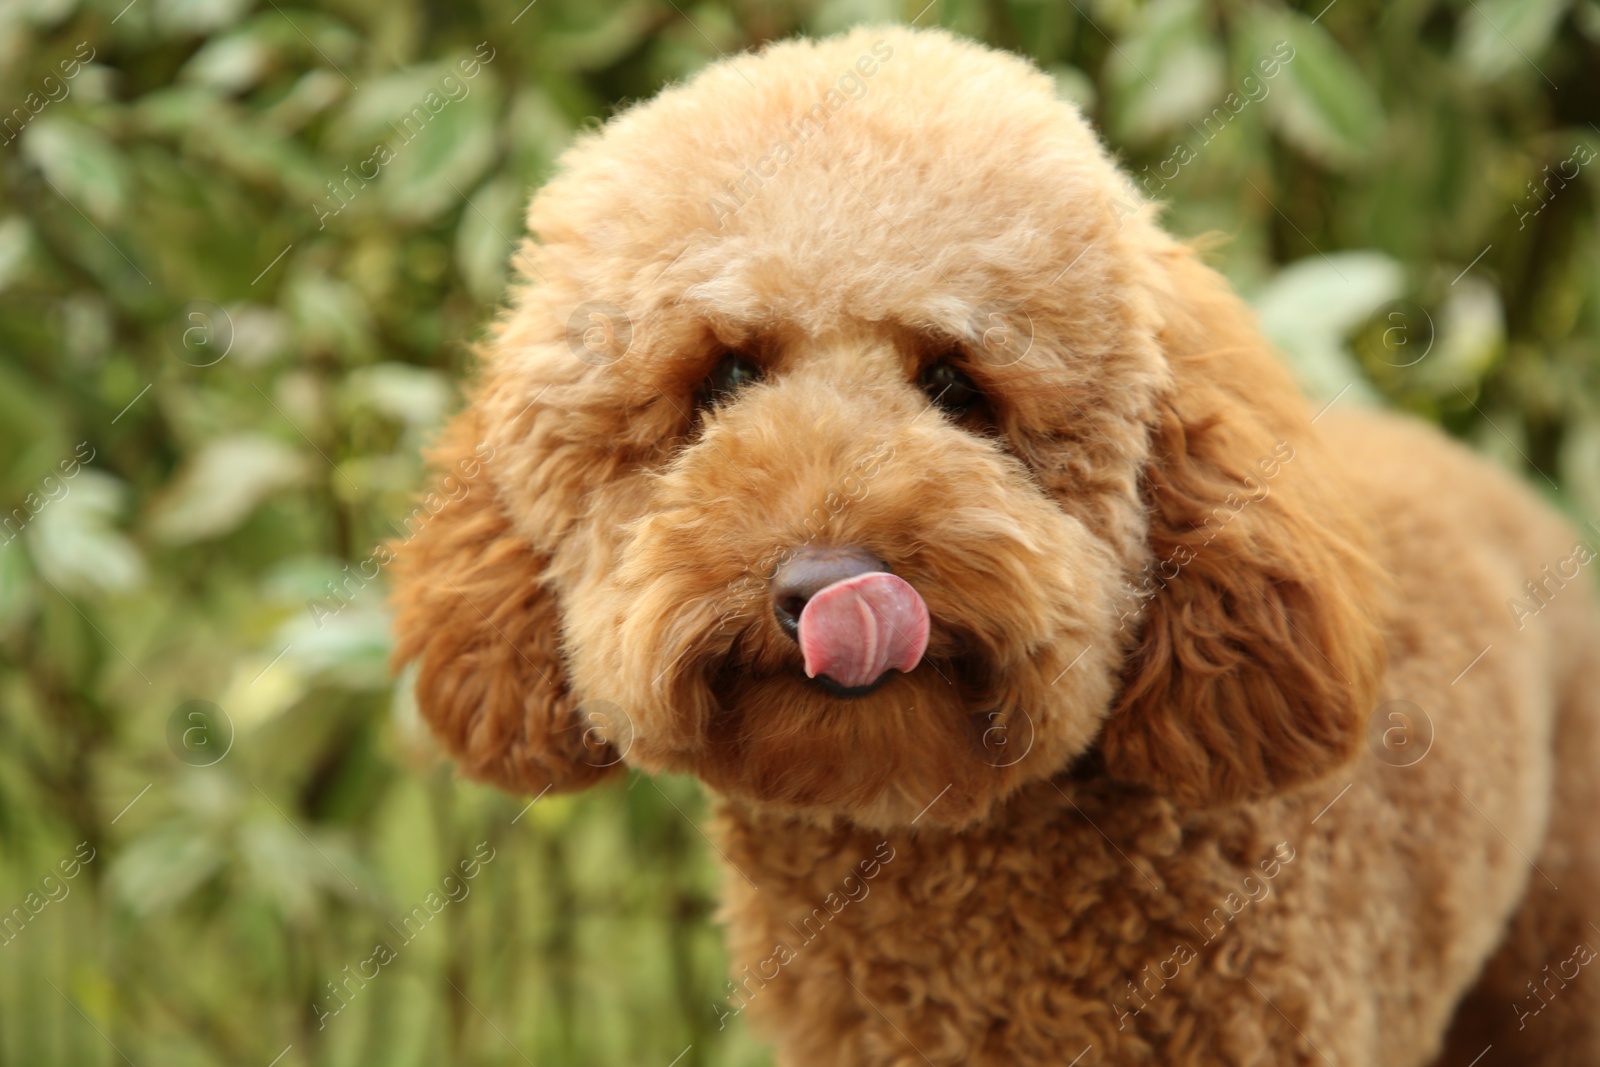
(1498, 646)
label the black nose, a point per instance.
(809, 569)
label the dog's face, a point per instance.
(843, 442)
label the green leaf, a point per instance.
(1310, 307)
(413, 395)
(1580, 464)
(80, 162)
(327, 313)
(17, 593)
(1320, 102)
(231, 64)
(438, 158)
(487, 235)
(198, 16)
(1470, 337)
(595, 38)
(836, 16)
(160, 869)
(1168, 71)
(72, 539)
(288, 864)
(221, 485)
(16, 238)
(346, 644)
(369, 116)
(1074, 85)
(1498, 36)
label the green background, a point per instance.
(1376, 206)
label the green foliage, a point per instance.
(227, 327)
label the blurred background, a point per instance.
(220, 354)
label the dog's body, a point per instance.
(1087, 914)
(1119, 798)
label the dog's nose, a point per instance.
(810, 569)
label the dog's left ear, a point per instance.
(1260, 645)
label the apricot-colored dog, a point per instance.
(1070, 694)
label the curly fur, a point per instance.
(1124, 809)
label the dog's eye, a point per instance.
(949, 388)
(732, 373)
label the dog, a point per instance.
(1068, 690)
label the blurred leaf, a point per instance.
(1498, 35)
(1580, 465)
(198, 16)
(328, 313)
(16, 591)
(537, 131)
(221, 485)
(259, 334)
(835, 16)
(1471, 335)
(1587, 15)
(379, 110)
(1074, 85)
(1168, 71)
(347, 645)
(405, 838)
(15, 240)
(412, 739)
(598, 38)
(73, 540)
(413, 395)
(441, 160)
(86, 328)
(1320, 102)
(1310, 307)
(45, 12)
(485, 239)
(230, 64)
(81, 164)
(313, 93)
(159, 869)
(288, 868)
(262, 688)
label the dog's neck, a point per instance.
(1079, 859)
(791, 858)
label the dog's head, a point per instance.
(856, 441)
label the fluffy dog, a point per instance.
(1069, 691)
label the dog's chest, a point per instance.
(1090, 920)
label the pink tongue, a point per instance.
(854, 630)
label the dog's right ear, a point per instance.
(1260, 649)
(471, 608)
